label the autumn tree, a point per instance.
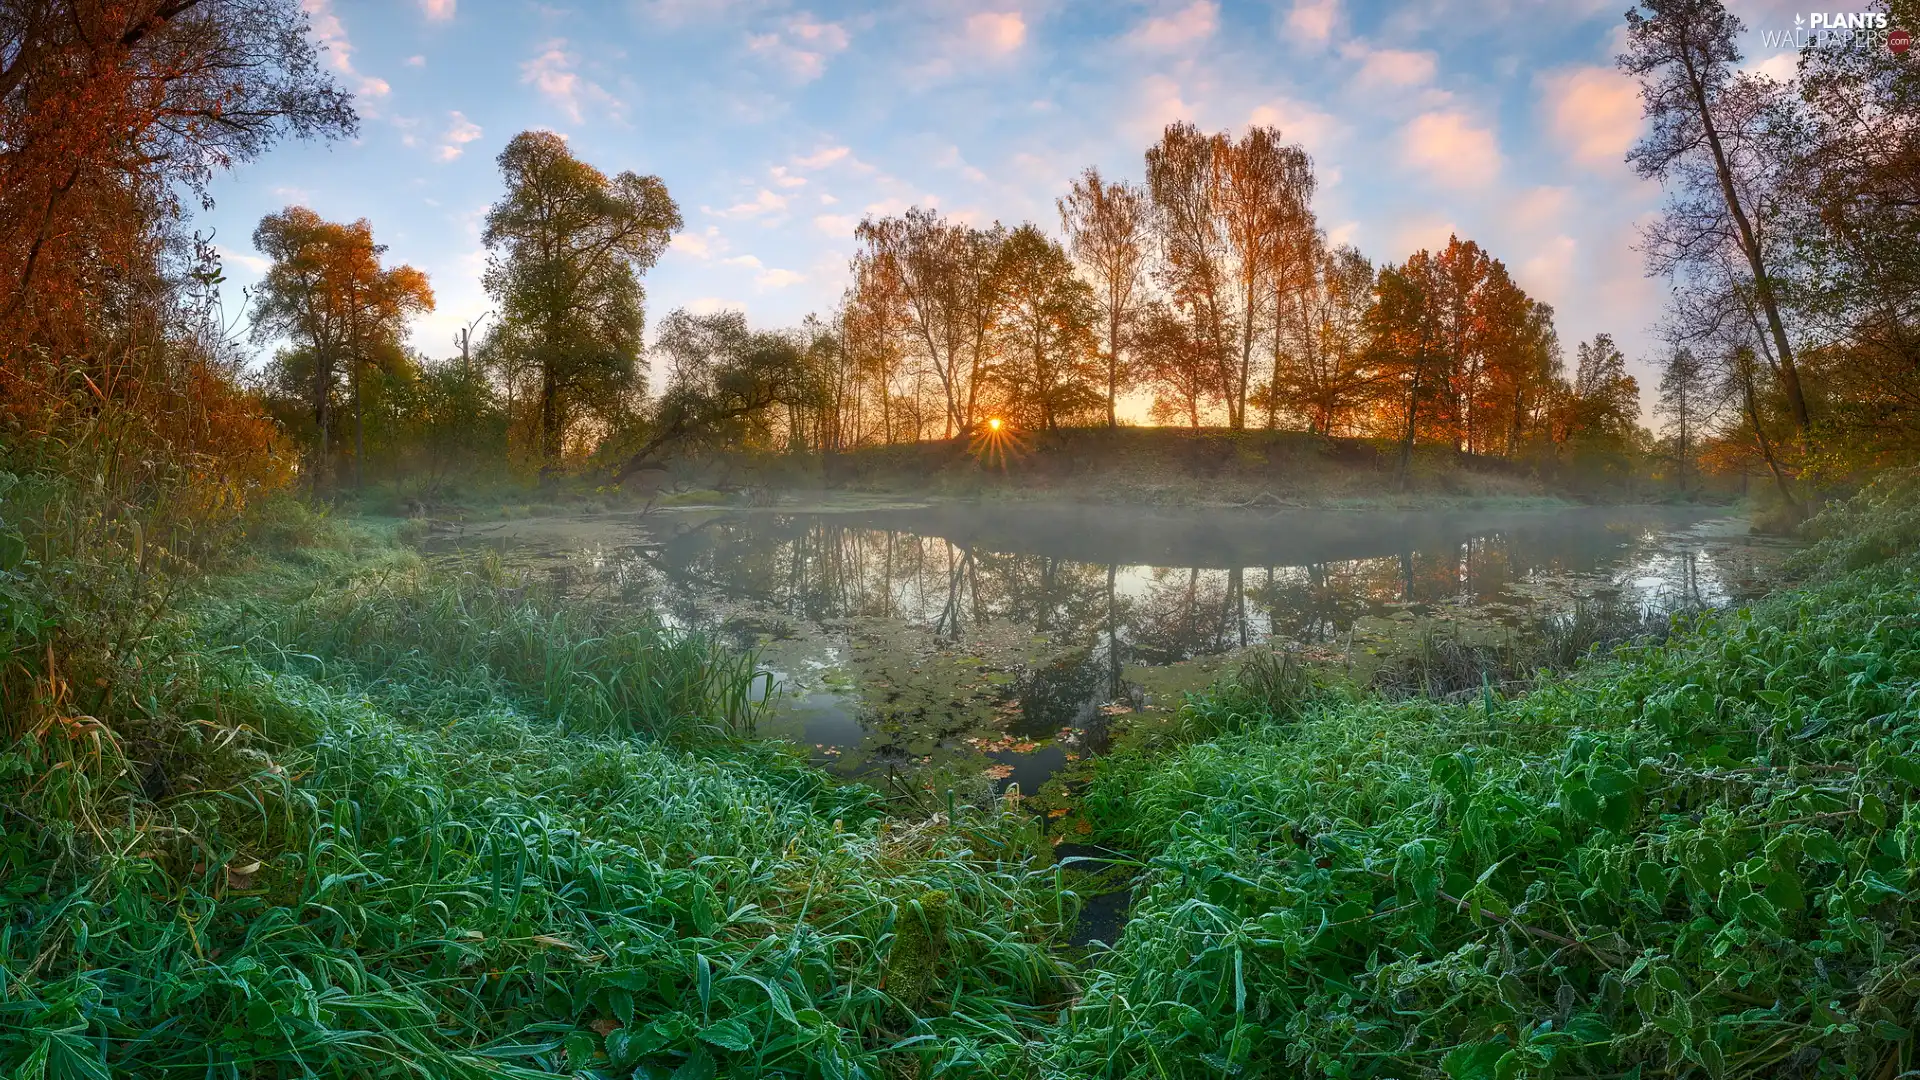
(108, 111)
(1321, 376)
(1193, 267)
(1181, 367)
(1853, 181)
(942, 275)
(1045, 359)
(1706, 144)
(1108, 228)
(1262, 192)
(567, 246)
(1685, 404)
(1403, 329)
(326, 292)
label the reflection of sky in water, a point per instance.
(798, 586)
(758, 573)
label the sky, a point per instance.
(777, 124)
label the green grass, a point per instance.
(440, 828)
(390, 820)
(1693, 858)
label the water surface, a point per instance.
(1006, 641)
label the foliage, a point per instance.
(566, 248)
(1692, 857)
(391, 860)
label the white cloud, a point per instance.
(332, 35)
(997, 32)
(950, 159)
(836, 224)
(701, 245)
(1594, 111)
(551, 72)
(253, 263)
(1299, 122)
(1312, 21)
(1389, 69)
(822, 157)
(1193, 23)
(1548, 274)
(783, 178)
(1782, 66)
(764, 203)
(1159, 103)
(711, 305)
(801, 46)
(460, 132)
(438, 10)
(778, 279)
(1450, 148)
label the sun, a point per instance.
(994, 423)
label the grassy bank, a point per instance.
(425, 824)
(1167, 467)
(1693, 858)
(334, 812)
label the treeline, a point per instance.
(1210, 290)
(1205, 292)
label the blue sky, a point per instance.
(777, 124)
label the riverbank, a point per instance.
(357, 815)
(1169, 467)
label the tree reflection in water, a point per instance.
(986, 634)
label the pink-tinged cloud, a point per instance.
(802, 46)
(822, 157)
(1593, 111)
(766, 202)
(332, 35)
(997, 32)
(1189, 25)
(1299, 122)
(1448, 147)
(438, 10)
(551, 72)
(1312, 21)
(1389, 69)
(460, 132)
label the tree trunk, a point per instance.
(550, 442)
(1750, 247)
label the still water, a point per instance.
(1005, 641)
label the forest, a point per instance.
(299, 777)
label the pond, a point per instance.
(1006, 641)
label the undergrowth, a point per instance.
(1690, 858)
(421, 823)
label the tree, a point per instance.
(1402, 330)
(1854, 226)
(566, 248)
(1320, 370)
(1261, 192)
(1194, 254)
(1045, 318)
(942, 274)
(1686, 405)
(1182, 368)
(722, 380)
(1606, 398)
(326, 291)
(1108, 230)
(107, 110)
(1685, 55)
